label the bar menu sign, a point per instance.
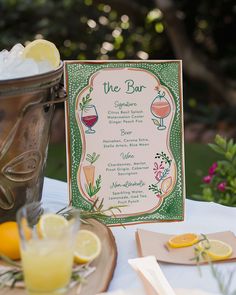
(124, 123)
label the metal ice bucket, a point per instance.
(26, 112)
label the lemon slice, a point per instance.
(88, 246)
(51, 225)
(42, 50)
(184, 240)
(216, 249)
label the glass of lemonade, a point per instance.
(47, 248)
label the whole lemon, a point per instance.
(10, 240)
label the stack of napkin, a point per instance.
(153, 279)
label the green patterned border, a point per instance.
(169, 73)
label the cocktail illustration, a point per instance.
(160, 108)
(89, 118)
(89, 173)
(89, 115)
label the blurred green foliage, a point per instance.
(120, 29)
(92, 29)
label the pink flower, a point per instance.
(207, 179)
(157, 170)
(221, 186)
(213, 168)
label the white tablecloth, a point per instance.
(200, 217)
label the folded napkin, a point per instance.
(124, 292)
(153, 243)
(118, 292)
(151, 275)
(192, 292)
(154, 281)
(177, 292)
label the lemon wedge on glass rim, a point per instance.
(50, 225)
(88, 246)
(42, 50)
(216, 249)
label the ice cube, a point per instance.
(27, 67)
(14, 55)
(3, 56)
(14, 65)
(17, 50)
(44, 66)
(19, 67)
(9, 60)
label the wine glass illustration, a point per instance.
(89, 117)
(160, 108)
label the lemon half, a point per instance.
(88, 246)
(216, 249)
(42, 50)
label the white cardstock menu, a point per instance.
(125, 139)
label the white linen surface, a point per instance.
(201, 217)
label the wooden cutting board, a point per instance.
(105, 264)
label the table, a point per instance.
(201, 217)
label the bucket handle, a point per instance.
(61, 96)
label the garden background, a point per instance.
(200, 32)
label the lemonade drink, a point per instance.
(47, 243)
(47, 266)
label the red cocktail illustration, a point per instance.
(89, 118)
(160, 108)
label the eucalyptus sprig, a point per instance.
(200, 254)
(96, 211)
(223, 282)
(9, 261)
(14, 273)
(10, 277)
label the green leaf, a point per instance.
(207, 193)
(230, 144)
(229, 155)
(92, 158)
(198, 197)
(216, 148)
(233, 183)
(220, 141)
